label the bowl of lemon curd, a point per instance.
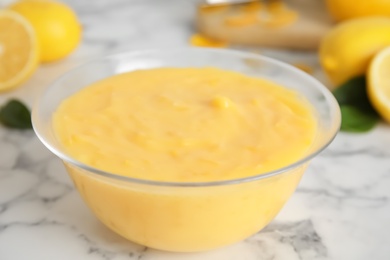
(186, 150)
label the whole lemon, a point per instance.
(347, 9)
(346, 51)
(55, 24)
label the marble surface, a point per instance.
(340, 211)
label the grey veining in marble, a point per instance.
(340, 211)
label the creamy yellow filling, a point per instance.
(185, 124)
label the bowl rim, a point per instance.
(330, 99)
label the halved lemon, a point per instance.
(18, 50)
(379, 83)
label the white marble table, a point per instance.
(341, 210)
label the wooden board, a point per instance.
(304, 33)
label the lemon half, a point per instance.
(18, 50)
(379, 83)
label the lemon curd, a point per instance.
(185, 125)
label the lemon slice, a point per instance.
(379, 83)
(18, 50)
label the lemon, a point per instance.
(18, 50)
(56, 26)
(347, 9)
(379, 83)
(346, 51)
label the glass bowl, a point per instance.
(186, 217)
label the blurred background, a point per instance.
(341, 209)
(333, 40)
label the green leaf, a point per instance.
(14, 114)
(357, 120)
(357, 113)
(354, 93)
